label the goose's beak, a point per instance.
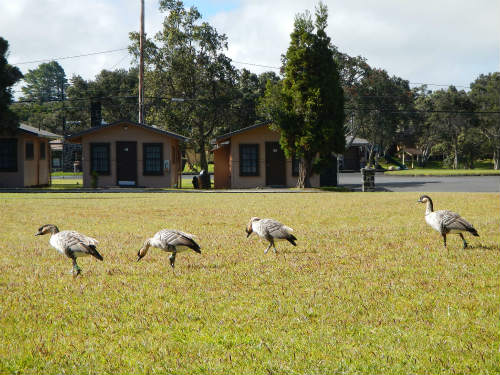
(38, 234)
(248, 234)
(139, 255)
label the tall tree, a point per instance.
(9, 75)
(45, 83)
(453, 117)
(186, 60)
(485, 93)
(382, 105)
(307, 107)
(116, 91)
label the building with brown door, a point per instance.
(252, 157)
(25, 157)
(127, 153)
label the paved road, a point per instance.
(425, 184)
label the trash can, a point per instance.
(368, 179)
(204, 179)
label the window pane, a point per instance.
(100, 158)
(152, 158)
(8, 155)
(249, 157)
(42, 150)
(29, 151)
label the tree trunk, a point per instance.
(455, 158)
(496, 158)
(305, 168)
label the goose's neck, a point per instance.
(429, 207)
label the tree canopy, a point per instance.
(9, 75)
(45, 83)
(307, 107)
(186, 61)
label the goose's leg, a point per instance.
(274, 248)
(463, 240)
(76, 270)
(270, 244)
(444, 239)
(172, 258)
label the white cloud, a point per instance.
(440, 41)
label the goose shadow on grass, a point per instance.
(488, 247)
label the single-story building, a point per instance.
(356, 156)
(25, 157)
(126, 153)
(252, 157)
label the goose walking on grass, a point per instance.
(71, 243)
(270, 230)
(172, 241)
(446, 222)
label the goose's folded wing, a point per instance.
(77, 241)
(276, 229)
(453, 221)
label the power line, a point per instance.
(260, 65)
(69, 57)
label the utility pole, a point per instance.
(141, 67)
(63, 124)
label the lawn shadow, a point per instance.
(481, 246)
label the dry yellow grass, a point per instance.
(369, 288)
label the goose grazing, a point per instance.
(271, 230)
(169, 240)
(71, 243)
(446, 222)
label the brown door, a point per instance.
(126, 163)
(275, 165)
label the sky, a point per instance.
(437, 42)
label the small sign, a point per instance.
(166, 165)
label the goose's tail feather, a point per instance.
(93, 251)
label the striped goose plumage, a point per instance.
(271, 230)
(71, 243)
(173, 241)
(446, 222)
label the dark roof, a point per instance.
(230, 134)
(357, 141)
(144, 126)
(38, 132)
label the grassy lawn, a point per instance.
(369, 288)
(66, 183)
(66, 174)
(444, 172)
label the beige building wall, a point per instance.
(259, 136)
(129, 133)
(34, 172)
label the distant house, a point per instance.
(252, 157)
(65, 156)
(126, 153)
(25, 157)
(356, 156)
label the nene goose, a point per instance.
(446, 222)
(270, 230)
(169, 240)
(71, 243)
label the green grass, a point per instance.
(444, 172)
(369, 288)
(435, 168)
(66, 174)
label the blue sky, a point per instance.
(209, 8)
